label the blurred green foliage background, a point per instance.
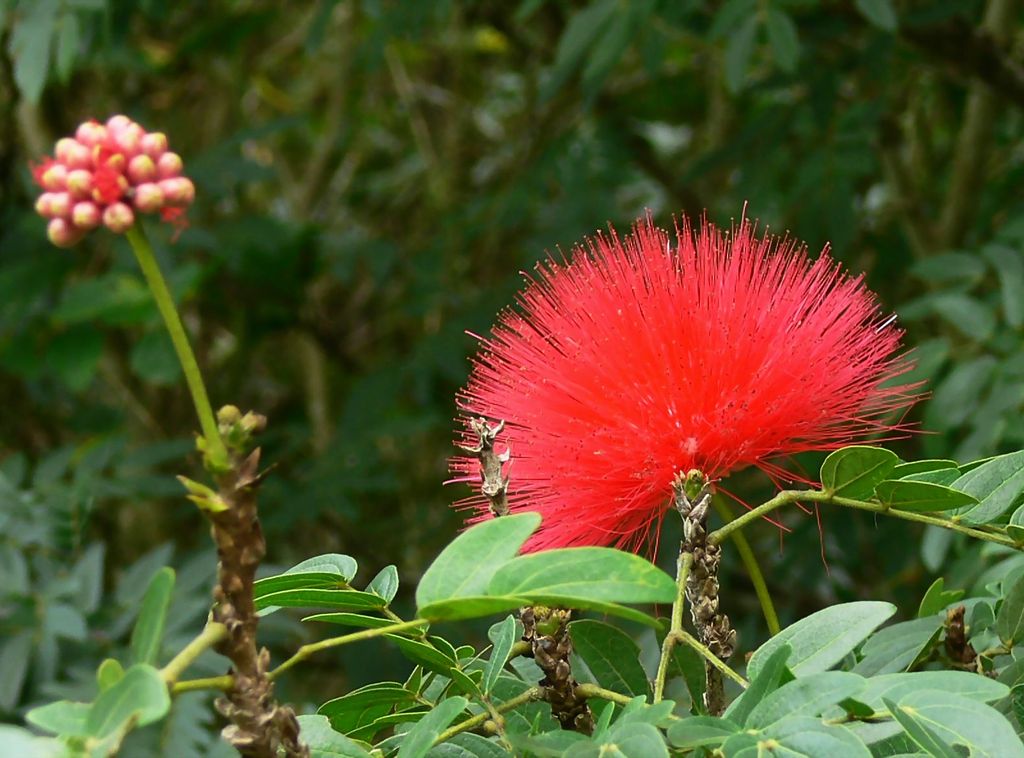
(372, 178)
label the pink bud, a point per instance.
(77, 155)
(118, 218)
(128, 139)
(91, 133)
(168, 165)
(55, 177)
(63, 234)
(60, 205)
(149, 198)
(118, 122)
(153, 144)
(79, 183)
(178, 191)
(86, 215)
(44, 205)
(141, 169)
(60, 150)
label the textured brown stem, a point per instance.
(259, 727)
(693, 499)
(493, 485)
(547, 631)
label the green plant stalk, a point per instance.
(212, 634)
(306, 651)
(592, 690)
(675, 624)
(193, 377)
(684, 636)
(534, 693)
(222, 683)
(753, 570)
(816, 496)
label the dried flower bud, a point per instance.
(169, 165)
(91, 133)
(153, 144)
(118, 218)
(86, 215)
(178, 191)
(141, 169)
(62, 234)
(148, 197)
(79, 183)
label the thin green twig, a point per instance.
(534, 693)
(683, 565)
(753, 570)
(306, 651)
(212, 634)
(816, 496)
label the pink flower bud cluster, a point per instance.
(106, 174)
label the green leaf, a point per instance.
(765, 681)
(1010, 619)
(385, 583)
(854, 471)
(878, 12)
(465, 567)
(958, 268)
(783, 37)
(973, 318)
(30, 44)
(469, 745)
(580, 574)
(896, 686)
(355, 619)
(21, 742)
(957, 395)
(470, 607)
(1009, 267)
(139, 698)
(920, 497)
(897, 647)
(903, 470)
(361, 707)
(629, 740)
(943, 477)
(424, 654)
(611, 655)
(738, 52)
(701, 731)
(806, 696)
(15, 655)
(1016, 526)
(821, 640)
(348, 599)
(148, 633)
(75, 355)
(328, 571)
(580, 34)
(109, 673)
(802, 736)
(67, 45)
(997, 484)
(153, 359)
(420, 738)
(64, 717)
(324, 742)
(934, 719)
(609, 48)
(937, 598)
(502, 636)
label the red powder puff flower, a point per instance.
(647, 356)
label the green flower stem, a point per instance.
(592, 690)
(222, 683)
(714, 660)
(815, 496)
(212, 634)
(165, 303)
(753, 570)
(676, 624)
(306, 651)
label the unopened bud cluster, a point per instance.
(106, 174)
